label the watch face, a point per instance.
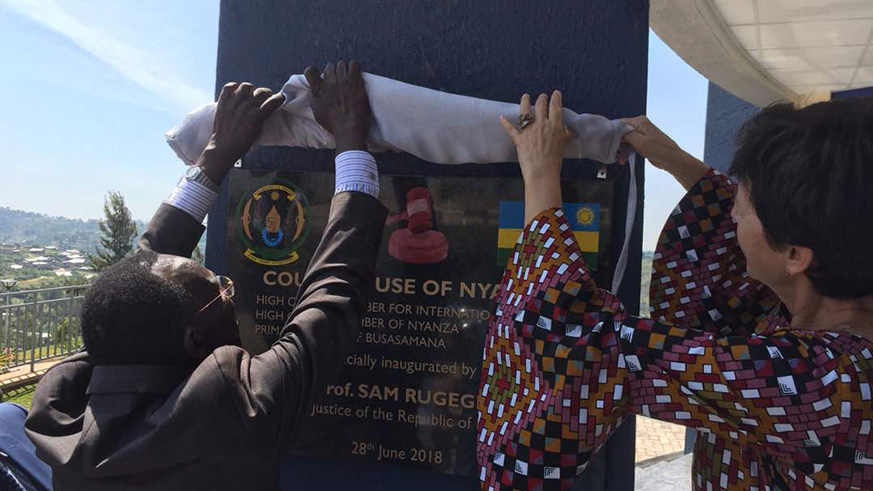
(195, 174)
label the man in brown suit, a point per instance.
(164, 398)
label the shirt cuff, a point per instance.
(356, 170)
(193, 198)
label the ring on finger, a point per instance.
(524, 121)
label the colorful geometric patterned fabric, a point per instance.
(699, 278)
(564, 364)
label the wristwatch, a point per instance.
(194, 174)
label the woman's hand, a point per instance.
(653, 144)
(540, 145)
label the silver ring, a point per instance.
(524, 121)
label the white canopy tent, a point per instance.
(764, 51)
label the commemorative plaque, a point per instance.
(406, 394)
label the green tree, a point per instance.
(118, 231)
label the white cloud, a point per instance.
(130, 61)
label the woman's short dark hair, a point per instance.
(809, 173)
(132, 316)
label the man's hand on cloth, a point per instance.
(340, 104)
(239, 117)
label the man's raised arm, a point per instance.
(177, 225)
(342, 274)
(272, 391)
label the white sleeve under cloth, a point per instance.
(434, 126)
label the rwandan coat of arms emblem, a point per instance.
(272, 224)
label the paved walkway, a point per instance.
(672, 475)
(23, 375)
(657, 438)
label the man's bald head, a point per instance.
(189, 274)
(214, 323)
(142, 309)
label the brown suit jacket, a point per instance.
(227, 424)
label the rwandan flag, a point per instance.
(584, 220)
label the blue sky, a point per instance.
(91, 87)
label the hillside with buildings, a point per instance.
(38, 267)
(28, 229)
(41, 251)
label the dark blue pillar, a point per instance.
(845, 94)
(725, 115)
(595, 51)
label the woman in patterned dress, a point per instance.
(762, 319)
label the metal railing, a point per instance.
(40, 324)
